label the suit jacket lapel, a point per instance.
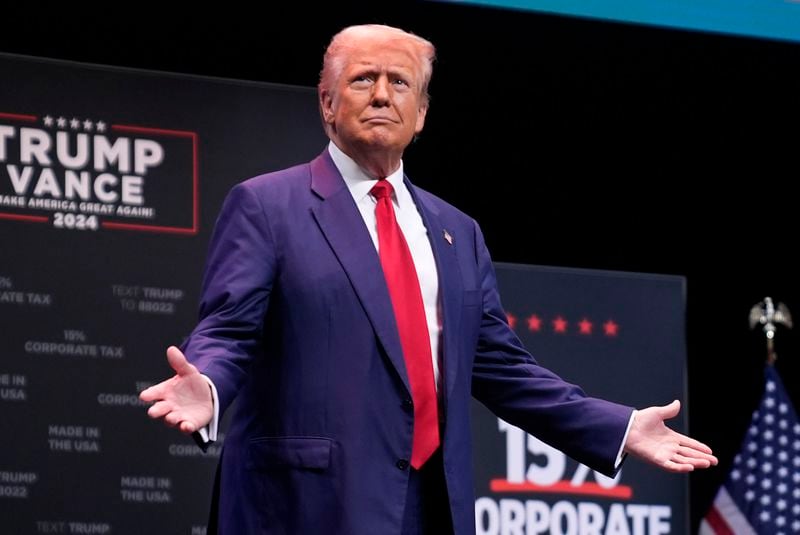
(450, 286)
(341, 223)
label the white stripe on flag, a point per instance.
(705, 529)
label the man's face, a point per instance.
(376, 104)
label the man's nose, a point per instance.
(381, 92)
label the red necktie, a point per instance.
(409, 313)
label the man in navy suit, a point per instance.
(353, 379)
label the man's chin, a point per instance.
(376, 140)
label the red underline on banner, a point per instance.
(150, 228)
(18, 117)
(31, 218)
(563, 487)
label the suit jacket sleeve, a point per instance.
(507, 379)
(240, 271)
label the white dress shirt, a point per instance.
(414, 231)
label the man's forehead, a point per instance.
(367, 50)
(377, 63)
(384, 58)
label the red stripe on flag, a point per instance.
(718, 523)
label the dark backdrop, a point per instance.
(606, 145)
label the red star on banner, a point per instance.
(534, 323)
(610, 328)
(560, 325)
(512, 320)
(585, 326)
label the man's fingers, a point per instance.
(188, 427)
(148, 394)
(155, 392)
(173, 417)
(678, 467)
(159, 409)
(694, 444)
(694, 461)
(695, 449)
(177, 419)
(693, 453)
(178, 362)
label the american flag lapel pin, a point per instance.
(448, 238)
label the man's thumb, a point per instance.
(671, 410)
(178, 362)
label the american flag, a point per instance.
(761, 494)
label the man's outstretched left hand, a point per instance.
(650, 439)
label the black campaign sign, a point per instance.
(621, 337)
(88, 174)
(110, 183)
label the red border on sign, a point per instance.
(195, 193)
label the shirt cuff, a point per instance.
(621, 454)
(209, 432)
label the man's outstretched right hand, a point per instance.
(184, 400)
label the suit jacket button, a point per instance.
(402, 464)
(408, 404)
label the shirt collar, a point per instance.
(360, 183)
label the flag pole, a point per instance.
(769, 317)
(761, 494)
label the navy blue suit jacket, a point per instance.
(296, 323)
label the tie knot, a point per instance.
(382, 189)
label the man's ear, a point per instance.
(326, 106)
(421, 114)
